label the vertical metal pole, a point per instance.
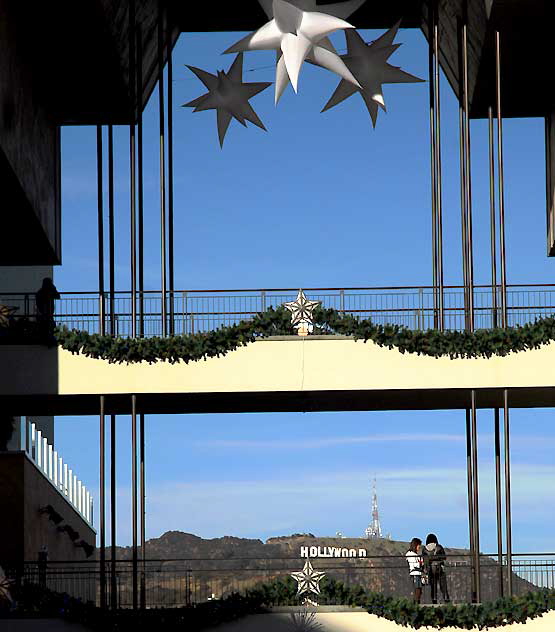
(498, 500)
(439, 191)
(113, 574)
(100, 202)
(475, 498)
(134, 498)
(501, 183)
(468, 185)
(463, 166)
(142, 508)
(162, 166)
(132, 168)
(111, 237)
(140, 181)
(493, 235)
(433, 153)
(470, 494)
(508, 520)
(171, 276)
(102, 503)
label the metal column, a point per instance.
(163, 246)
(501, 183)
(111, 236)
(100, 220)
(508, 520)
(140, 187)
(142, 508)
(475, 510)
(171, 267)
(132, 169)
(498, 500)
(113, 491)
(134, 499)
(102, 503)
(470, 495)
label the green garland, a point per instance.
(405, 612)
(483, 343)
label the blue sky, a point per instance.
(321, 200)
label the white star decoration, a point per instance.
(308, 579)
(297, 35)
(368, 63)
(301, 309)
(229, 96)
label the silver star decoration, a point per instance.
(368, 63)
(308, 579)
(229, 96)
(297, 34)
(301, 309)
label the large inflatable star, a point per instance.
(297, 35)
(368, 63)
(229, 96)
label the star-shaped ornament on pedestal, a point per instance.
(339, 9)
(229, 96)
(301, 312)
(368, 63)
(308, 579)
(297, 34)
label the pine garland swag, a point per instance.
(482, 343)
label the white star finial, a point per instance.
(297, 35)
(308, 580)
(301, 310)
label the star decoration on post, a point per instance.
(301, 312)
(338, 9)
(308, 580)
(296, 35)
(6, 313)
(368, 63)
(229, 96)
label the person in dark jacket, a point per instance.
(434, 561)
(44, 300)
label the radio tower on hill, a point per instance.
(374, 530)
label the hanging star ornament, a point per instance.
(339, 9)
(301, 309)
(229, 96)
(308, 580)
(297, 35)
(368, 63)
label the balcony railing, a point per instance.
(203, 310)
(62, 477)
(178, 583)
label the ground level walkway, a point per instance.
(39, 625)
(354, 622)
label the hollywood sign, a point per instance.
(331, 551)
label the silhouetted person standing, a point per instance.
(44, 300)
(434, 560)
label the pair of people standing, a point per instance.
(427, 564)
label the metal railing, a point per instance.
(178, 583)
(194, 311)
(56, 471)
